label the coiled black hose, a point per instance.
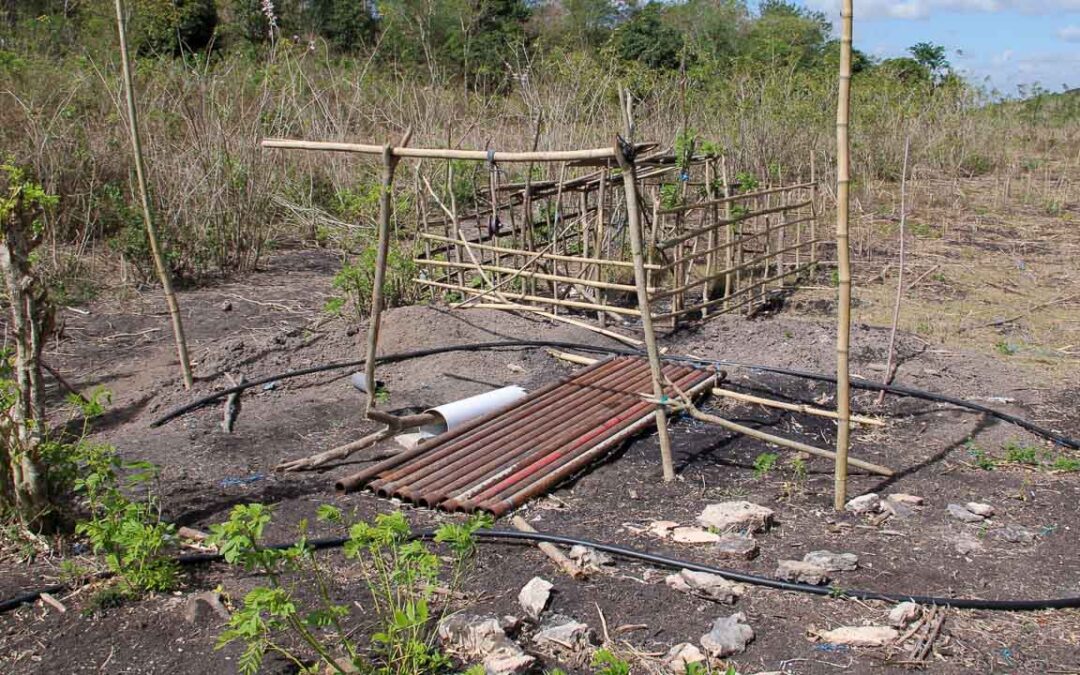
(653, 559)
(857, 383)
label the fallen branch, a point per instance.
(572, 358)
(395, 425)
(550, 550)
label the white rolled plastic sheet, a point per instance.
(456, 413)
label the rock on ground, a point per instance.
(475, 636)
(739, 516)
(1015, 534)
(802, 572)
(694, 535)
(984, 510)
(869, 503)
(662, 528)
(962, 514)
(682, 655)
(534, 597)
(968, 544)
(833, 562)
(589, 558)
(903, 614)
(736, 546)
(202, 606)
(860, 636)
(897, 508)
(703, 584)
(563, 632)
(729, 635)
(903, 498)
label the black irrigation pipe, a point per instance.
(858, 383)
(646, 557)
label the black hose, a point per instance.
(654, 559)
(387, 358)
(858, 383)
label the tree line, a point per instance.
(484, 43)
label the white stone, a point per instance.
(564, 632)
(508, 662)
(729, 635)
(694, 535)
(961, 513)
(680, 656)
(705, 585)
(897, 508)
(860, 636)
(869, 503)
(903, 614)
(472, 635)
(910, 500)
(833, 562)
(662, 528)
(984, 510)
(739, 516)
(966, 545)
(736, 546)
(534, 597)
(589, 558)
(802, 572)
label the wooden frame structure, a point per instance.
(659, 250)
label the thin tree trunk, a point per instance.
(890, 368)
(144, 197)
(843, 324)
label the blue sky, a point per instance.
(1011, 42)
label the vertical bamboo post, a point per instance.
(709, 218)
(843, 327)
(633, 225)
(813, 210)
(144, 198)
(389, 163)
(599, 248)
(729, 251)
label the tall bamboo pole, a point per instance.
(843, 324)
(389, 163)
(148, 221)
(633, 225)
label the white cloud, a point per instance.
(921, 9)
(1069, 33)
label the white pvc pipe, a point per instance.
(456, 413)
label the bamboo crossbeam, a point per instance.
(729, 221)
(783, 442)
(611, 286)
(716, 275)
(794, 407)
(734, 198)
(532, 298)
(741, 291)
(546, 256)
(511, 307)
(742, 238)
(442, 153)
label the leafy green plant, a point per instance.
(356, 280)
(401, 573)
(1066, 464)
(764, 463)
(798, 469)
(129, 533)
(981, 458)
(606, 663)
(1021, 454)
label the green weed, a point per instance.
(764, 463)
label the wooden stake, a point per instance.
(843, 198)
(794, 407)
(389, 164)
(144, 198)
(633, 223)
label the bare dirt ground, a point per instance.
(274, 325)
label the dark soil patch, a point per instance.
(271, 328)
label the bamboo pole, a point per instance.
(794, 407)
(497, 269)
(728, 221)
(843, 198)
(741, 291)
(389, 163)
(516, 296)
(144, 198)
(442, 153)
(633, 225)
(544, 255)
(720, 201)
(729, 244)
(781, 441)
